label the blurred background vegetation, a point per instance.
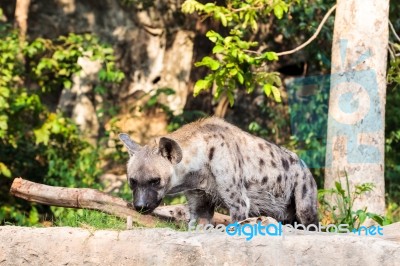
(143, 85)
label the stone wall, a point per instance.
(75, 246)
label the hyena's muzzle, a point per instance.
(145, 199)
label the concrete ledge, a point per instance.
(76, 246)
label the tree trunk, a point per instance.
(21, 18)
(356, 122)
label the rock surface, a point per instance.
(76, 246)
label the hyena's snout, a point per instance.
(145, 200)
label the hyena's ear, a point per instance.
(170, 149)
(130, 145)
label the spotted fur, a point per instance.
(214, 162)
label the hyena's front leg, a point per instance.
(201, 206)
(239, 208)
(305, 193)
(237, 202)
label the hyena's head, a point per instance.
(150, 170)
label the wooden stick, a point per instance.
(84, 198)
(87, 198)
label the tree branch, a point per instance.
(312, 37)
(87, 198)
(394, 32)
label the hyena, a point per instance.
(214, 162)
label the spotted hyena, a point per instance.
(214, 162)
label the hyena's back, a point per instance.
(250, 175)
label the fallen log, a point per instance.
(87, 198)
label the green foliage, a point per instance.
(187, 116)
(176, 199)
(302, 23)
(235, 64)
(52, 63)
(96, 220)
(341, 211)
(155, 102)
(35, 142)
(392, 144)
(392, 211)
(393, 76)
(392, 128)
(12, 214)
(175, 121)
(308, 108)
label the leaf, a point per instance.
(228, 39)
(209, 7)
(58, 55)
(3, 122)
(214, 65)
(254, 126)
(4, 170)
(42, 135)
(243, 45)
(100, 90)
(277, 94)
(33, 216)
(377, 218)
(339, 189)
(63, 72)
(213, 36)
(254, 25)
(152, 101)
(278, 11)
(240, 77)
(362, 215)
(209, 62)
(223, 19)
(276, 79)
(271, 56)
(102, 74)
(230, 97)
(201, 84)
(3, 104)
(67, 84)
(246, 20)
(234, 52)
(233, 72)
(218, 49)
(5, 92)
(267, 89)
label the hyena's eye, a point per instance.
(132, 183)
(155, 181)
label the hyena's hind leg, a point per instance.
(305, 194)
(201, 206)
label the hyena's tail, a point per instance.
(305, 193)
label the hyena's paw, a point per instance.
(201, 221)
(261, 219)
(239, 210)
(237, 215)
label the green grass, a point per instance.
(90, 219)
(96, 220)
